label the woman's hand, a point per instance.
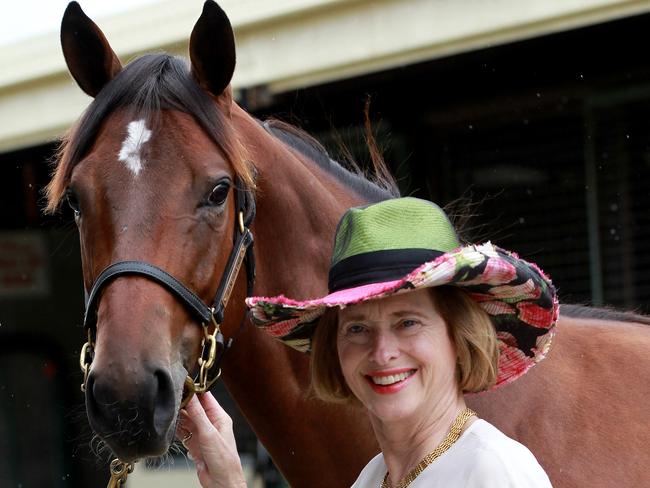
(211, 443)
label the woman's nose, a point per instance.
(385, 347)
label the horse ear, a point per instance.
(212, 49)
(89, 57)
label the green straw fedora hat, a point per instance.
(404, 244)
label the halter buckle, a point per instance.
(86, 358)
(241, 222)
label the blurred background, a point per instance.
(535, 110)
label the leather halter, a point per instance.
(213, 345)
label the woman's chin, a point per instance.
(391, 410)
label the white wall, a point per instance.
(285, 44)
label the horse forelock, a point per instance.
(146, 86)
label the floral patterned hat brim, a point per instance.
(518, 296)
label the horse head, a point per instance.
(150, 171)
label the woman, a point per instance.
(413, 321)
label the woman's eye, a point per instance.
(355, 329)
(219, 193)
(355, 334)
(409, 324)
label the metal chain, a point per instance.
(206, 361)
(119, 472)
(86, 358)
(447, 442)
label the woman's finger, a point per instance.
(184, 426)
(185, 432)
(219, 418)
(212, 443)
(197, 414)
(214, 411)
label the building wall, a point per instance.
(284, 45)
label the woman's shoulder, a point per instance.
(500, 461)
(486, 437)
(484, 457)
(372, 474)
(483, 433)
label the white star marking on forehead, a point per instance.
(132, 145)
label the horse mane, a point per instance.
(374, 187)
(600, 313)
(147, 85)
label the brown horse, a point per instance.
(150, 171)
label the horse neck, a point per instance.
(298, 206)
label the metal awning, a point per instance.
(285, 44)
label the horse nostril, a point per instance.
(164, 403)
(91, 404)
(97, 401)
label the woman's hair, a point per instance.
(468, 325)
(474, 335)
(326, 375)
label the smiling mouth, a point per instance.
(391, 379)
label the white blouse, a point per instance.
(483, 457)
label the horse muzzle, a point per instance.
(136, 418)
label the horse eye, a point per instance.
(73, 202)
(219, 193)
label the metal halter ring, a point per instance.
(185, 439)
(206, 361)
(119, 472)
(86, 358)
(242, 228)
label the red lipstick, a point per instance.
(393, 387)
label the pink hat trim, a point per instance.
(338, 298)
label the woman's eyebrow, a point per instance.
(359, 317)
(406, 312)
(395, 314)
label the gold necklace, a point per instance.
(447, 442)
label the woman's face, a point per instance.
(397, 357)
